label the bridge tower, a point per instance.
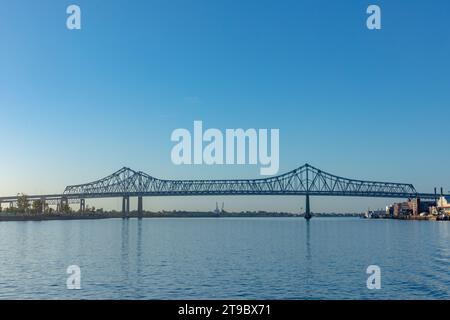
(125, 207)
(140, 207)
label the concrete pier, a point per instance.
(82, 205)
(125, 207)
(308, 209)
(140, 208)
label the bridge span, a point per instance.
(304, 181)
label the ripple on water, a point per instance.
(258, 258)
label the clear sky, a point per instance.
(78, 105)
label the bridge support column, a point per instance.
(43, 206)
(82, 205)
(308, 209)
(64, 205)
(125, 207)
(140, 207)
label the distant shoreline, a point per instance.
(110, 215)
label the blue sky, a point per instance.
(78, 105)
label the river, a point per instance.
(225, 258)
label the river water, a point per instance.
(225, 258)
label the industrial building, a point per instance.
(413, 208)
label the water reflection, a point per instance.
(308, 258)
(139, 248)
(125, 252)
(308, 241)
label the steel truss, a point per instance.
(305, 180)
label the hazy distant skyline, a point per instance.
(78, 105)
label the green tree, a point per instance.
(65, 208)
(22, 203)
(37, 206)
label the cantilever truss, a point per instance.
(305, 180)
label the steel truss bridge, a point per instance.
(304, 181)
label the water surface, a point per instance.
(225, 258)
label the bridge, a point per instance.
(304, 181)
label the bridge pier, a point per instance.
(125, 207)
(82, 205)
(308, 209)
(43, 206)
(140, 207)
(64, 206)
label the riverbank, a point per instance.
(171, 214)
(50, 217)
(415, 218)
